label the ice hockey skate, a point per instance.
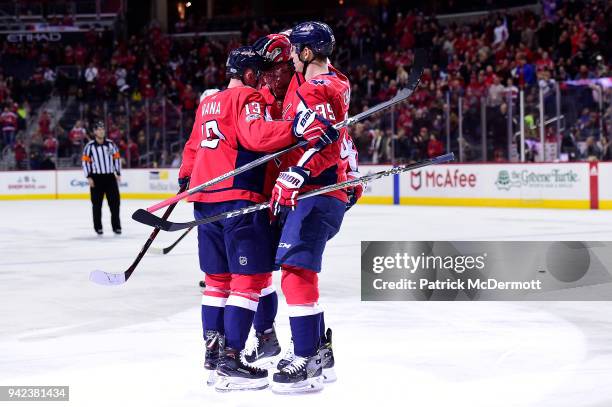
(214, 343)
(287, 357)
(301, 375)
(235, 373)
(263, 348)
(327, 357)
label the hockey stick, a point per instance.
(148, 218)
(225, 176)
(103, 278)
(420, 60)
(167, 250)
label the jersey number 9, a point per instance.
(211, 130)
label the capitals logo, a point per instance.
(321, 82)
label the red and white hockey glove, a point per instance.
(309, 125)
(285, 192)
(353, 193)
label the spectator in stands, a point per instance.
(496, 92)
(434, 146)
(78, 138)
(50, 145)
(501, 33)
(20, 154)
(176, 161)
(592, 152)
(606, 154)
(419, 144)
(377, 146)
(8, 122)
(134, 155)
(44, 124)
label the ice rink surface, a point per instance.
(140, 344)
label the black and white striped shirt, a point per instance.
(101, 158)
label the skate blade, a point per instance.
(312, 385)
(212, 378)
(226, 384)
(329, 375)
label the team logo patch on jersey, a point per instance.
(253, 116)
(243, 260)
(320, 82)
(283, 245)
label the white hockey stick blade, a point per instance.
(104, 278)
(156, 250)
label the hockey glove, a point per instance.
(285, 192)
(308, 125)
(183, 183)
(353, 194)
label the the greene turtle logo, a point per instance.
(554, 178)
(503, 180)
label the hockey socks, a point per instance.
(305, 329)
(212, 315)
(239, 313)
(266, 310)
(322, 327)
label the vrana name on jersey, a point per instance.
(212, 107)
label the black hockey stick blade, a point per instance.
(173, 226)
(143, 216)
(103, 278)
(168, 249)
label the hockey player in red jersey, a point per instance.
(307, 226)
(236, 254)
(278, 74)
(275, 50)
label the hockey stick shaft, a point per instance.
(402, 95)
(225, 176)
(168, 249)
(147, 218)
(104, 278)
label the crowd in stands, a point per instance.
(146, 87)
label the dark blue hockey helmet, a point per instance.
(315, 35)
(240, 59)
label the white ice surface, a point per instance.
(140, 344)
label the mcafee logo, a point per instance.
(442, 178)
(415, 180)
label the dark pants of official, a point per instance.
(105, 184)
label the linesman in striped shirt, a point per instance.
(102, 167)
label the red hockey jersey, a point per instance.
(229, 131)
(329, 95)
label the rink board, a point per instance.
(546, 185)
(542, 185)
